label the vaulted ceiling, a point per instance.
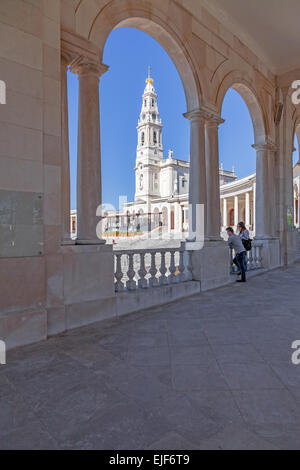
(270, 27)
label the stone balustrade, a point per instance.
(254, 258)
(144, 268)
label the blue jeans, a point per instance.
(245, 261)
(241, 262)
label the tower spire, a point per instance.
(149, 79)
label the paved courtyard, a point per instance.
(212, 371)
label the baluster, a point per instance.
(181, 266)
(247, 260)
(142, 282)
(254, 257)
(172, 268)
(163, 278)
(259, 257)
(153, 281)
(187, 256)
(130, 284)
(251, 259)
(119, 286)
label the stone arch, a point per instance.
(97, 23)
(240, 82)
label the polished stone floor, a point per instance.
(212, 371)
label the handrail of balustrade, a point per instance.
(137, 251)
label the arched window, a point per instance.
(155, 137)
(143, 138)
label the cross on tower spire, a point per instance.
(149, 79)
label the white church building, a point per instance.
(162, 186)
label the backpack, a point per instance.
(247, 244)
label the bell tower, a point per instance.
(149, 152)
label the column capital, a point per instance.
(84, 66)
(268, 145)
(66, 58)
(206, 114)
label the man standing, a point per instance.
(236, 243)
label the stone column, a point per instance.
(197, 176)
(89, 195)
(298, 212)
(236, 211)
(254, 208)
(272, 190)
(263, 184)
(65, 157)
(225, 213)
(212, 178)
(247, 210)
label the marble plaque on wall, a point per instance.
(21, 224)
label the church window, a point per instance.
(143, 138)
(145, 102)
(141, 182)
(153, 117)
(155, 137)
(152, 102)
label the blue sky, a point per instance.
(128, 52)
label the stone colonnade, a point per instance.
(238, 207)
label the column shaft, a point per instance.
(272, 192)
(225, 223)
(298, 211)
(236, 210)
(197, 178)
(65, 158)
(212, 180)
(264, 200)
(247, 210)
(254, 208)
(89, 157)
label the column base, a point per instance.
(264, 237)
(210, 265)
(214, 238)
(270, 251)
(67, 241)
(99, 241)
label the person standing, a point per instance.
(235, 242)
(244, 236)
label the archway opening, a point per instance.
(237, 162)
(144, 136)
